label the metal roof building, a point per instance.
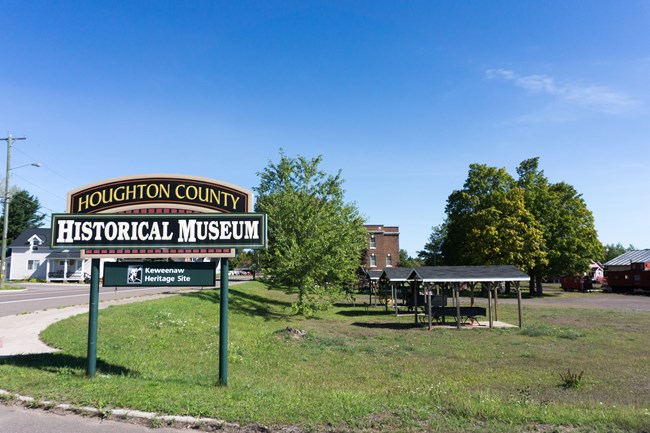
(625, 259)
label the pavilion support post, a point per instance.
(415, 300)
(471, 292)
(496, 302)
(457, 300)
(519, 303)
(383, 292)
(489, 287)
(429, 308)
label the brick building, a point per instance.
(383, 247)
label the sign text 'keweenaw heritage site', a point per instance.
(133, 274)
(230, 230)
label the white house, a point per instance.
(31, 257)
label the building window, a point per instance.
(389, 261)
(373, 260)
(32, 265)
(61, 262)
(373, 241)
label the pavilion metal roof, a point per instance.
(397, 274)
(374, 274)
(461, 274)
(638, 256)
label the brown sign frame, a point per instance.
(156, 194)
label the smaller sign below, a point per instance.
(179, 274)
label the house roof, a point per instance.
(453, 274)
(23, 239)
(65, 254)
(638, 256)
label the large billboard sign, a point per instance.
(158, 231)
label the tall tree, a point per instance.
(570, 237)
(406, 261)
(431, 255)
(316, 239)
(536, 196)
(23, 214)
(614, 250)
(488, 223)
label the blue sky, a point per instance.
(413, 90)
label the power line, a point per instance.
(37, 186)
(48, 168)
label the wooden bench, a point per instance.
(467, 314)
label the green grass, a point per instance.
(355, 369)
(12, 287)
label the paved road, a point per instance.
(37, 297)
(611, 301)
(16, 419)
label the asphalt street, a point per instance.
(17, 419)
(37, 296)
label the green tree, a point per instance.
(316, 239)
(488, 223)
(406, 261)
(614, 250)
(244, 259)
(23, 214)
(431, 255)
(570, 238)
(536, 196)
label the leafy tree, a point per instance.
(315, 238)
(431, 255)
(244, 259)
(570, 238)
(536, 195)
(406, 261)
(488, 223)
(543, 228)
(614, 250)
(23, 214)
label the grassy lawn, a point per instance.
(356, 368)
(12, 287)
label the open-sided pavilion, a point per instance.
(406, 284)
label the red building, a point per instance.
(383, 247)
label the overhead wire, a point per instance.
(46, 217)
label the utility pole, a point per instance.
(3, 255)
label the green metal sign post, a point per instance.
(223, 325)
(93, 313)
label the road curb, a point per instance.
(149, 419)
